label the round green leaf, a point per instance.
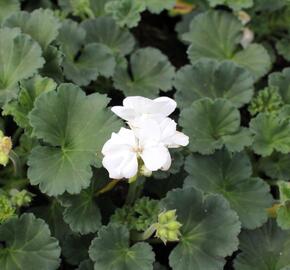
(111, 251)
(28, 245)
(40, 24)
(283, 216)
(272, 133)
(104, 30)
(8, 7)
(212, 124)
(151, 71)
(209, 230)
(264, 248)
(157, 6)
(75, 127)
(82, 213)
(209, 78)
(216, 35)
(282, 81)
(75, 248)
(276, 166)
(230, 176)
(125, 12)
(83, 62)
(20, 58)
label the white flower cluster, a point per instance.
(150, 135)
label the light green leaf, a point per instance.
(40, 24)
(276, 166)
(264, 248)
(282, 81)
(283, 216)
(104, 30)
(111, 251)
(75, 127)
(157, 6)
(151, 72)
(216, 35)
(125, 12)
(209, 232)
(272, 133)
(231, 176)
(20, 58)
(209, 125)
(254, 58)
(28, 245)
(84, 62)
(209, 78)
(282, 47)
(29, 90)
(8, 7)
(82, 213)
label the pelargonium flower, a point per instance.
(137, 108)
(150, 142)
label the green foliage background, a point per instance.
(64, 63)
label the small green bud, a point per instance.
(145, 172)
(6, 209)
(167, 227)
(20, 198)
(5, 148)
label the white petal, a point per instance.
(148, 131)
(124, 113)
(155, 157)
(163, 106)
(167, 164)
(137, 103)
(179, 139)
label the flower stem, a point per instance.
(107, 187)
(16, 163)
(135, 236)
(135, 190)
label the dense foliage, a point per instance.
(223, 203)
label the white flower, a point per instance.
(247, 38)
(150, 143)
(137, 108)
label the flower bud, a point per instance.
(145, 172)
(6, 209)
(5, 148)
(20, 198)
(167, 227)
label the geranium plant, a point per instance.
(144, 134)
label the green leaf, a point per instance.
(231, 176)
(214, 124)
(28, 245)
(282, 47)
(111, 251)
(52, 214)
(104, 30)
(276, 166)
(40, 24)
(283, 216)
(282, 81)
(234, 4)
(157, 6)
(8, 7)
(272, 133)
(20, 58)
(86, 265)
(125, 12)
(264, 248)
(151, 71)
(209, 78)
(29, 90)
(83, 62)
(216, 35)
(209, 232)
(52, 67)
(75, 248)
(75, 127)
(82, 213)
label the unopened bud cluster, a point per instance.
(5, 148)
